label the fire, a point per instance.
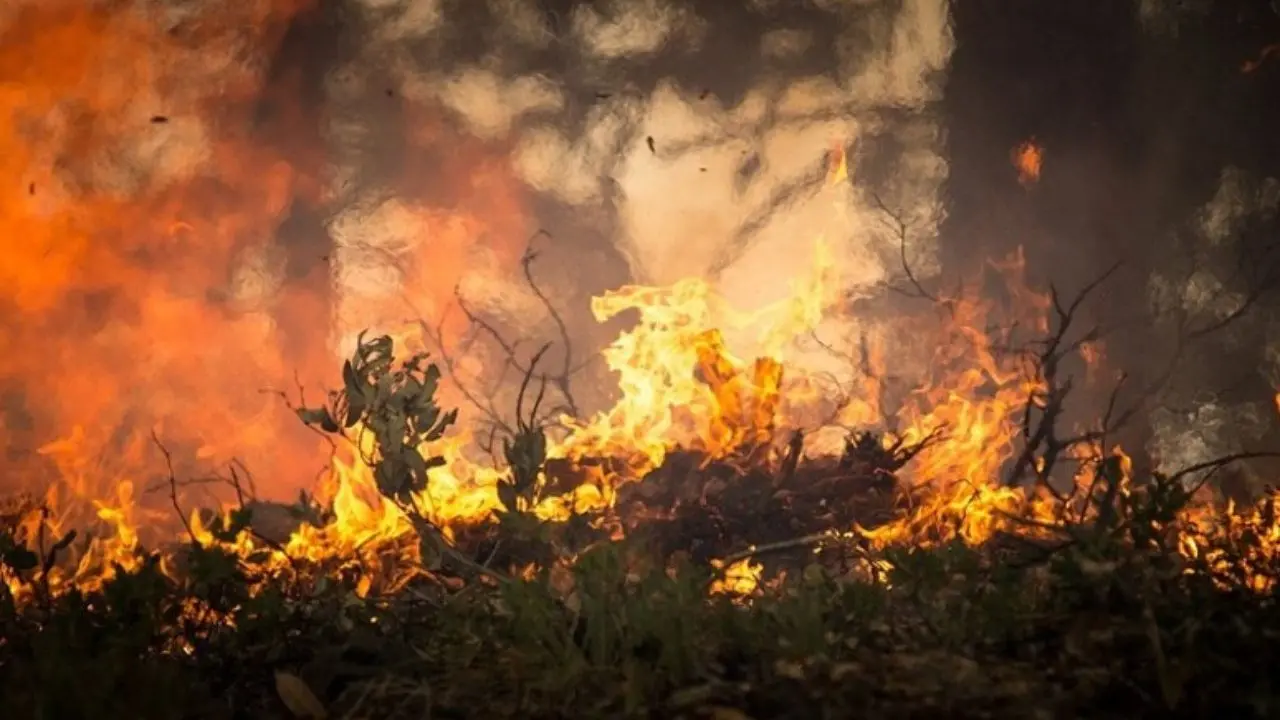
(740, 578)
(146, 308)
(1027, 159)
(123, 248)
(680, 383)
(159, 172)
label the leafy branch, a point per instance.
(396, 404)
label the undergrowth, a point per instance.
(1105, 617)
(949, 631)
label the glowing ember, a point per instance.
(739, 578)
(1027, 159)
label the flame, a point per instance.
(839, 165)
(738, 579)
(1027, 159)
(123, 249)
(140, 276)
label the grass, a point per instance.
(1106, 615)
(952, 631)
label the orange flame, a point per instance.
(142, 279)
(1027, 159)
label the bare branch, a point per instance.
(895, 222)
(562, 380)
(173, 487)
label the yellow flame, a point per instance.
(698, 374)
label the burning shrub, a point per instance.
(397, 407)
(1117, 593)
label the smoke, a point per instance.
(1199, 423)
(135, 192)
(206, 202)
(595, 113)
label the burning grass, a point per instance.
(764, 523)
(767, 521)
(689, 553)
(1117, 624)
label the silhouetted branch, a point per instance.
(562, 380)
(173, 487)
(896, 224)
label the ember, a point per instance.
(1027, 158)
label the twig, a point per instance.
(562, 380)
(821, 538)
(436, 336)
(1217, 463)
(173, 488)
(791, 461)
(566, 369)
(1042, 446)
(902, 233)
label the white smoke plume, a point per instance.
(684, 172)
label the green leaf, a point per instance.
(411, 390)
(356, 406)
(427, 418)
(397, 426)
(438, 431)
(417, 467)
(539, 447)
(382, 387)
(384, 476)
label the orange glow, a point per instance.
(1027, 159)
(1265, 54)
(141, 265)
(141, 282)
(740, 578)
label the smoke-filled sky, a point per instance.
(204, 201)
(653, 178)
(1155, 118)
